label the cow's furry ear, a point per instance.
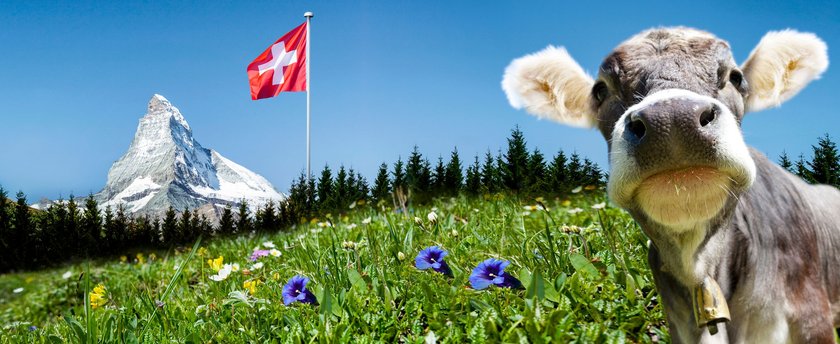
(781, 65)
(550, 84)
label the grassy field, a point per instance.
(582, 264)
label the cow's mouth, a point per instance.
(685, 197)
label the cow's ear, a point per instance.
(781, 65)
(550, 84)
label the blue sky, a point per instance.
(75, 78)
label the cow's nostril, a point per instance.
(708, 116)
(637, 127)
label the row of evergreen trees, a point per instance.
(417, 181)
(824, 166)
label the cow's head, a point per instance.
(669, 102)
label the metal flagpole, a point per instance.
(308, 16)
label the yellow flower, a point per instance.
(123, 259)
(589, 187)
(140, 258)
(202, 252)
(97, 296)
(566, 203)
(251, 286)
(216, 264)
(152, 256)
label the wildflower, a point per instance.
(159, 303)
(201, 252)
(577, 189)
(566, 203)
(492, 272)
(223, 273)
(454, 233)
(400, 256)
(259, 253)
(575, 211)
(33, 328)
(352, 205)
(432, 257)
(539, 199)
(432, 217)
(530, 208)
(352, 226)
(366, 220)
(418, 220)
(589, 187)
(123, 259)
(67, 275)
(234, 267)
(268, 244)
(349, 245)
(275, 253)
(295, 290)
(18, 290)
(175, 267)
(251, 286)
(97, 296)
(140, 258)
(526, 213)
(599, 205)
(216, 264)
(152, 256)
(570, 229)
(257, 266)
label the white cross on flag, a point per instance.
(281, 67)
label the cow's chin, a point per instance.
(685, 198)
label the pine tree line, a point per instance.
(418, 180)
(823, 168)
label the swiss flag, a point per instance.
(281, 67)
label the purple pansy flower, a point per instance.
(259, 253)
(296, 290)
(432, 258)
(492, 272)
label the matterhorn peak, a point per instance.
(165, 166)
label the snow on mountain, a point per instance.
(165, 166)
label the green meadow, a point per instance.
(582, 264)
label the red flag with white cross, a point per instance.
(281, 67)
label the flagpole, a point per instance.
(308, 16)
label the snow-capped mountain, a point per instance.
(166, 166)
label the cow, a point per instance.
(740, 249)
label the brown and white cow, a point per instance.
(669, 102)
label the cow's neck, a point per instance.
(690, 254)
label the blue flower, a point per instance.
(33, 328)
(432, 258)
(296, 290)
(492, 272)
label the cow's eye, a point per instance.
(737, 80)
(600, 92)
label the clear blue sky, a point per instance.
(75, 78)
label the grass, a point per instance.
(585, 275)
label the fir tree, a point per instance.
(381, 185)
(169, 227)
(575, 171)
(802, 170)
(361, 188)
(325, 189)
(226, 221)
(472, 184)
(399, 182)
(514, 169)
(557, 173)
(784, 162)
(120, 230)
(21, 234)
(825, 165)
(267, 218)
(92, 222)
(537, 173)
(438, 179)
(454, 179)
(243, 219)
(72, 225)
(108, 227)
(490, 174)
(413, 171)
(185, 227)
(342, 190)
(5, 230)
